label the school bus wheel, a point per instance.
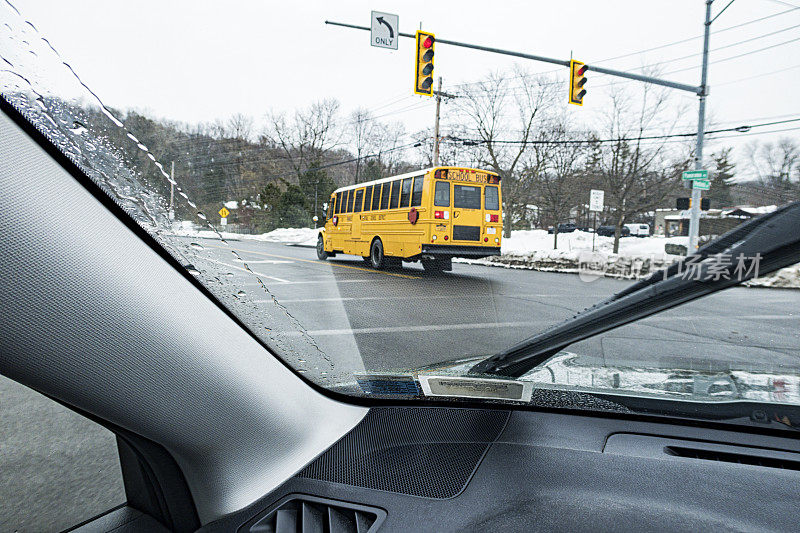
(376, 256)
(322, 255)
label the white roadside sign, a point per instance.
(596, 199)
(384, 30)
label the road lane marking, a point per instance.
(320, 263)
(411, 329)
(475, 296)
(280, 280)
(739, 317)
(263, 261)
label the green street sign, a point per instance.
(695, 175)
(703, 185)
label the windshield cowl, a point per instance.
(575, 372)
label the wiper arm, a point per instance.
(764, 244)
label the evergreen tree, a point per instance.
(721, 180)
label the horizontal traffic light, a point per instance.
(577, 79)
(423, 63)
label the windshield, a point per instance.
(383, 254)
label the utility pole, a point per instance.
(694, 217)
(436, 125)
(170, 212)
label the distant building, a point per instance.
(674, 222)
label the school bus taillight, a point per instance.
(438, 214)
(494, 218)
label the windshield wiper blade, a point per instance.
(757, 247)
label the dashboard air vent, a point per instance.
(298, 513)
(728, 457)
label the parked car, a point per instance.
(639, 230)
(564, 227)
(608, 231)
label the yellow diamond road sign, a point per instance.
(224, 212)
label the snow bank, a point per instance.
(637, 258)
(294, 236)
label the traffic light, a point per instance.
(577, 80)
(423, 66)
(686, 203)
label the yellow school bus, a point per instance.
(430, 215)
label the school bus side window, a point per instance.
(385, 195)
(491, 198)
(359, 201)
(441, 196)
(395, 194)
(405, 193)
(368, 198)
(351, 199)
(330, 207)
(416, 195)
(376, 198)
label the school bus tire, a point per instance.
(376, 256)
(322, 255)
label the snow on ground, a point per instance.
(533, 250)
(572, 244)
(294, 236)
(638, 257)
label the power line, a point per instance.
(638, 52)
(736, 56)
(758, 75)
(741, 129)
(688, 39)
(725, 46)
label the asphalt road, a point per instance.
(57, 468)
(407, 318)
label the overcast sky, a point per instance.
(200, 60)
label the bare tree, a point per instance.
(777, 169)
(363, 132)
(306, 136)
(505, 119)
(637, 174)
(555, 169)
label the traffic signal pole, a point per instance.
(694, 214)
(701, 92)
(562, 62)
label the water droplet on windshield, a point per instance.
(229, 274)
(192, 270)
(201, 215)
(241, 294)
(197, 245)
(78, 128)
(302, 370)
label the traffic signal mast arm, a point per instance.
(566, 63)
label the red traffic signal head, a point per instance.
(577, 80)
(423, 64)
